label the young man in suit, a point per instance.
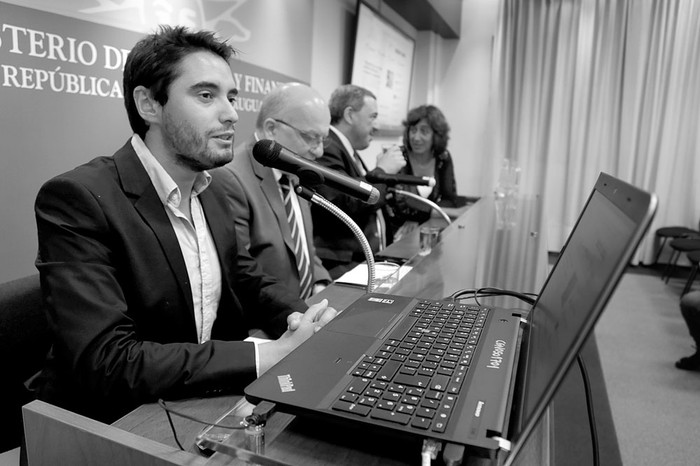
(281, 240)
(353, 111)
(149, 293)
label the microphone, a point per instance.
(393, 180)
(275, 155)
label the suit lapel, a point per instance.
(271, 191)
(348, 158)
(137, 185)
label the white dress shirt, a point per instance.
(196, 242)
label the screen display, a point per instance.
(382, 63)
(574, 291)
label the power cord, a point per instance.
(589, 407)
(429, 452)
(260, 413)
(452, 454)
(257, 418)
(477, 293)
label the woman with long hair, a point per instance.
(425, 137)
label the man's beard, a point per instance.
(200, 164)
(191, 148)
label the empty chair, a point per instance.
(664, 233)
(679, 246)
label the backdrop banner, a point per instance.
(62, 105)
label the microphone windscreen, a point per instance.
(266, 151)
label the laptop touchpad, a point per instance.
(370, 317)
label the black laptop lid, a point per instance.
(600, 246)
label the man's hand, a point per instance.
(391, 160)
(300, 327)
(323, 314)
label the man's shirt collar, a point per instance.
(168, 191)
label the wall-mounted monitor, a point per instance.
(383, 62)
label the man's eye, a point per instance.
(206, 95)
(232, 100)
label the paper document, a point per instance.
(359, 275)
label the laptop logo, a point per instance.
(497, 355)
(381, 300)
(479, 405)
(286, 383)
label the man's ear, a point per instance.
(268, 128)
(146, 105)
(348, 115)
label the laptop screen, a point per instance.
(577, 289)
(574, 287)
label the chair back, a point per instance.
(24, 342)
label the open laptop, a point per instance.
(455, 372)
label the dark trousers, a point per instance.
(690, 309)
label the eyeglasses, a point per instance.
(313, 140)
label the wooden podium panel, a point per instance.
(56, 436)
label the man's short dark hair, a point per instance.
(347, 95)
(154, 63)
(436, 120)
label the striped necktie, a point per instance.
(302, 258)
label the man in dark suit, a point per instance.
(297, 117)
(149, 294)
(353, 111)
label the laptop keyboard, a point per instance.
(414, 378)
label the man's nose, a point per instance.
(316, 151)
(228, 113)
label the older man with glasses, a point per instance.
(271, 221)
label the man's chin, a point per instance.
(226, 158)
(209, 162)
(220, 158)
(368, 141)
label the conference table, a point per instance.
(489, 245)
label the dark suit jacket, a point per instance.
(119, 299)
(335, 243)
(261, 219)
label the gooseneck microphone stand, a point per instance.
(424, 201)
(311, 196)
